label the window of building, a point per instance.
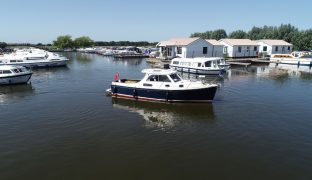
(288, 48)
(205, 50)
(255, 48)
(239, 49)
(265, 48)
(179, 50)
(276, 48)
(283, 48)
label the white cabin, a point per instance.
(189, 48)
(273, 46)
(239, 48)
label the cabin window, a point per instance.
(208, 64)
(265, 48)
(175, 77)
(175, 62)
(239, 49)
(164, 78)
(179, 50)
(6, 72)
(185, 64)
(199, 65)
(152, 78)
(12, 60)
(205, 50)
(276, 48)
(288, 48)
(16, 70)
(255, 48)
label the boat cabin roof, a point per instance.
(158, 71)
(8, 67)
(200, 60)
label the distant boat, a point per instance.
(204, 66)
(295, 58)
(33, 58)
(14, 75)
(164, 86)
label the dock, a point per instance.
(239, 64)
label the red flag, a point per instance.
(116, 76)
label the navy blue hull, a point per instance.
(191, 95)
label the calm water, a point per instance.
(62, 126)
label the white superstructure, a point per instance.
(33, 58)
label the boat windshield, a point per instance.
(175, 77)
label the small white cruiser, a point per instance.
(163, 85)
(295, 58)
(205, 66)
(14, 75)
(33, 58)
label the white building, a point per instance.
(188, 48)
(215, 49)
(272, 46)
(237, 48)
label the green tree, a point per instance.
(83, 41)
(239, 34)
(218, 34)
(3, 44)
(64, 42)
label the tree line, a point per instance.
(301, 39)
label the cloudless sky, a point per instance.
(37, 21)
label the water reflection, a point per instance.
(12, 92)
(166, 116)
(84, 58)
(126, 62)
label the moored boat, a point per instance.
(295, 58)
(33, 58)
(164, 86)
(14, 75)
(204, 66)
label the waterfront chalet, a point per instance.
(188, 48)
(273, 46)
(215, 49)
(240, 48)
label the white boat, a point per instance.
(33, 58)
(204, 66)
(295, 58)
(163, 85)
(14, 75)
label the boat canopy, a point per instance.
(198, 59)
(158, 71)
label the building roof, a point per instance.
(274, 42)
(239, 42)
(177, 42)
(214, 42)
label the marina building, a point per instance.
(274, 46)
(189, 48)
(239, 48)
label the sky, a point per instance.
(41, 21)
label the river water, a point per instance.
(63, 126)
